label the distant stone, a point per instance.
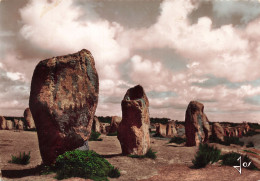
(236, 132)
(196, 124)
(180, 130)
(239, 131)
(16, 124)
(107, 128)
(233, 132)
(2, 122)
(218, 131)
(171, 130)
(104, 128)
(226, 132)
(96, 125)
(161, 130)
(9, 125)
(244, 132)
(20, 125)
(246, 127)
(133, 131)
(29, 122)
(114, 124)
(63, 101)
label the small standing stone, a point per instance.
(96, 125)
(161, 130)
(9, 124)
(218, 131)
(114, 124)
(2, 122)
(29, 122)
(196, 124)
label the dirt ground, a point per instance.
(173, 162)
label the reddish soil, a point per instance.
(173, 161)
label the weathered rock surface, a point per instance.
(16, 124)
(96, 125)
(236, 132)
(2, 122)
(196, 124)
(226, 132)
(20, 125)
(246, 127)
(104, 128)
(114, 124)
(29, 122)
(180, 130)
(171, 130)
(232, 132)
(133, 131)
(63, 101)
(218, 131)
(161, 130)
(9, 125)
(239, 131)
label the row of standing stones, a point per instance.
(63, 101)
(18, 124)
(197, 127)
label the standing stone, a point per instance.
(239, 131)
(244, 132)
(161, 130)
(218, 131)
(226, 131)
(246, 127)
(9, 125)
(63, 101)
(181, 130)
(2, 122)
(114, 124)
(196, 124)
(104, 127)
(96, 125)
(20, 125)
(171, 130)
(16, 125)
(233, 132)
(236, 132)
(107, 128)
(29, 122)
(133, 131)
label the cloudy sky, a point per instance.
(178, 50)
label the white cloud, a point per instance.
(193, 64)
(215, 51)
(60, 30)
(14, 93)
(248, 10)
(152, 75)
(15, 76)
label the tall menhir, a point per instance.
(197, 127)
(133, 130)
(63, 101)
